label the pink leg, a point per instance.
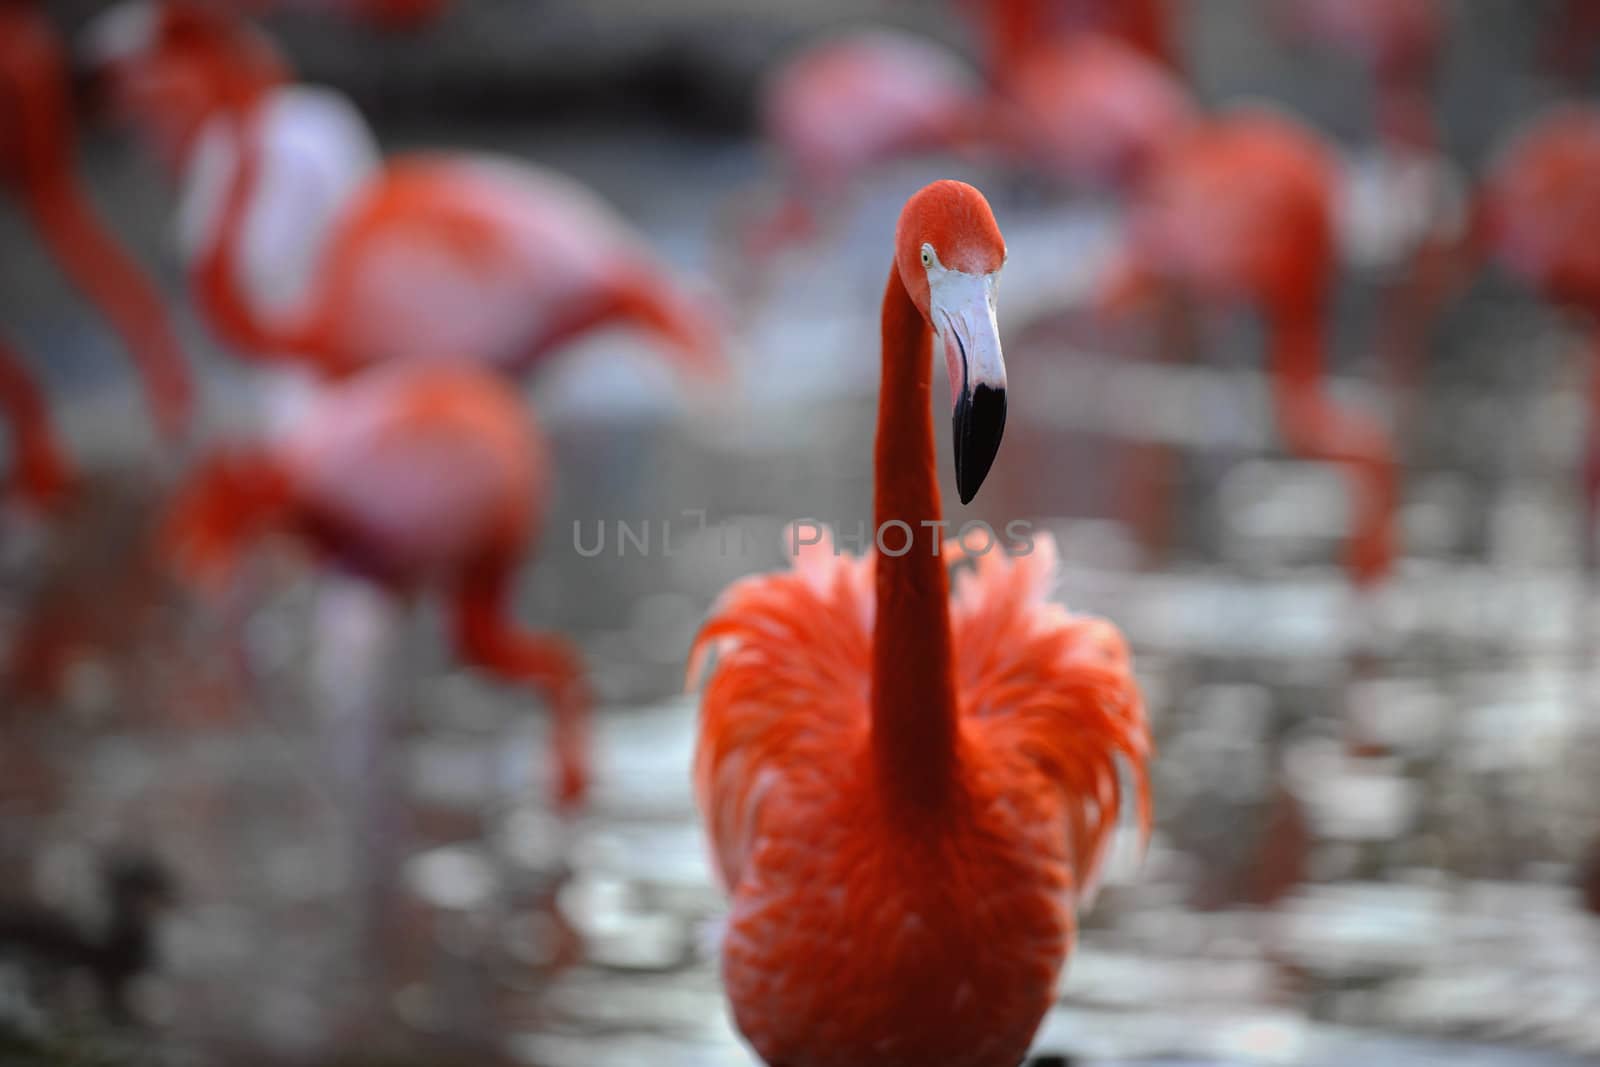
(487, 636)
(1313, 426)
(42, 472)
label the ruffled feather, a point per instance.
(789, 691)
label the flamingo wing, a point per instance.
(790, 684)
(1051, 698)
(420, 470)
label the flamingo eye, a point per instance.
(927, 256)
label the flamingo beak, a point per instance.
(963, 307)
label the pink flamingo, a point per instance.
(36, 166)
(1092, 110)
(416, 478)
(908, 794)
(306, 248)
(850, 104)
(1241, 210)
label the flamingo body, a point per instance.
(407, 475)
(858, 101)
(1016, 27)
(1094, 109)
(419, 479)
(416, 476)
(513, 260)
(1242, 211)
(1544, 206)
(856, 937)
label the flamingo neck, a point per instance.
(215, 272)
(92, 259)
(913, 678)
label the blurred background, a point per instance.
(287, 820)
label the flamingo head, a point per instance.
(167, 66)
(948, 253)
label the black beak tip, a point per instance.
(979, 423)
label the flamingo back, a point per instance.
(450, 258)
(414, 473)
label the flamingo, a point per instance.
(1016, 27)
(306, 247)
(849, 104)
(1242, 210)
(416, 478)
(1537, 215)
(36, 166)
(907, 793)
(1093, 110)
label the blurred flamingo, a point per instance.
(1091, 110)
(908, 793)
(847, 105)
(36, 166)
(1538, 215)
(1013, 28)
(1400, 41)
(304, 247)
(1072, 86)
(1242, 210)
(414, 478)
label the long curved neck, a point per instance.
(91, 258)
(215, 273)
(913, 675)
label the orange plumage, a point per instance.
(909, 793)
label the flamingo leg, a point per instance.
(487, 636)
(42, 472)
